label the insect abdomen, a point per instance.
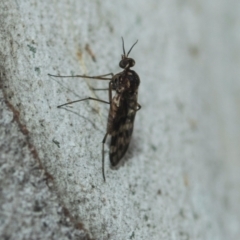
(121, 135)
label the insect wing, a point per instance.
(122, 130)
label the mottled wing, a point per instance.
(122, 130)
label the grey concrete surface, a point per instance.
(180, 178)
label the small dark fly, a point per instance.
(123, 106)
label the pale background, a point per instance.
(180, 179)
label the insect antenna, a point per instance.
(132, 47)
(123, 47)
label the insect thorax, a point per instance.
(126, 82)
(124, 103)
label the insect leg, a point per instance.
(103, 142)
(98, 89)
(100, 77)
(104, 75)
(110, 92)
(105, 137)
(84, 99)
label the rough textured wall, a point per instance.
(180, 178)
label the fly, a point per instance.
(123, 107)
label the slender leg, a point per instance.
(110, 92)
(98, 89)
(103, 142)
(84, 99)
(100, 77)
(105, 137)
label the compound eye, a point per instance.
(123, 63)
(131, 62)
(126, 63)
